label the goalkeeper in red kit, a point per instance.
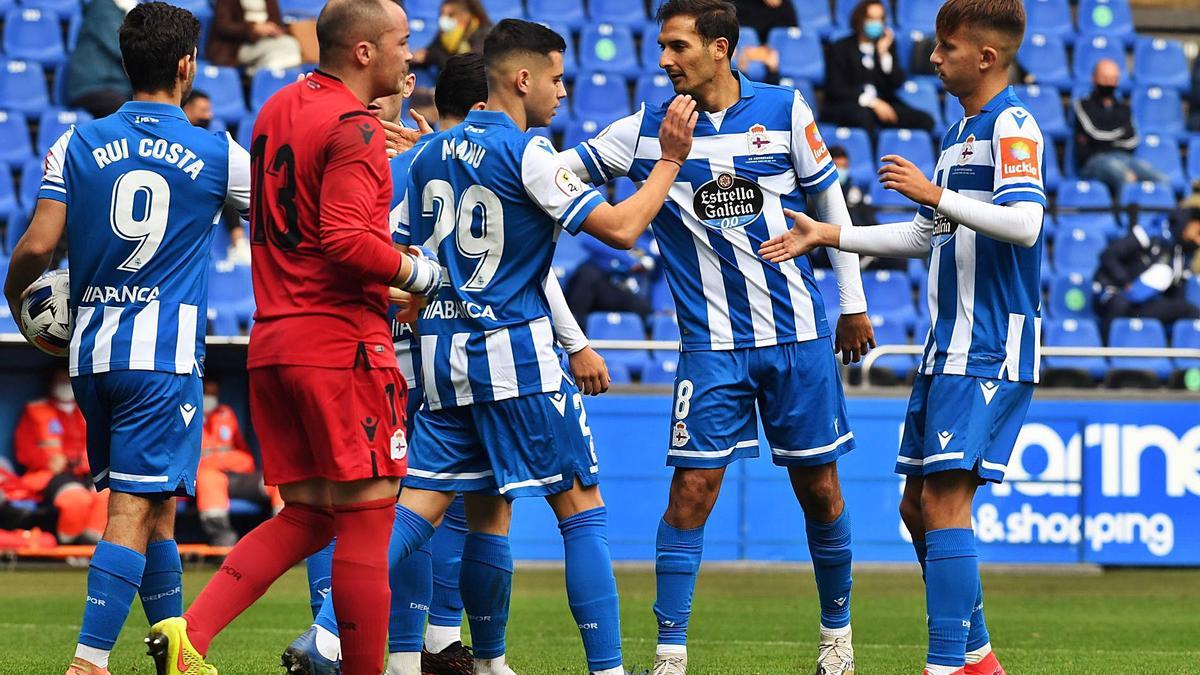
(326, 397)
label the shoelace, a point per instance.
(835, 653)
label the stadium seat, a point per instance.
(504, 9)
(664, 327)
(58, 91)
(1091, 50)
(1071, 297)
(661, 369)
(1148, 196)
(747, 39)
(423, 30)
(1074, 333)
(424, 8)
(857, 145)
(581, 130)
(17, 221)
(8, 198)
(1109, 18)
(200, 8)
(54, 123)
(1077, 250)
(891, 297)
(268, 81)
(570, 14)
(649, 52)
(1139, 333)
(653, 89)
(31, 180)
(1052, 177)
(303, 9)
(608, 48)
(918, 15)
(1160, 63)
(1193, 164)
(569, 254)
(223, 84)
(897, 366)
(23, 87)
(1044, 58)
(952, 110)
(1050, 17)
(15, 147)
(630, 13)
(619, 326)
(1086, 205)
(1186, 335)
(230, 291)
(1047, 107)
(800, 54)
(600, 96)
(807, 92)
(1163, 153)
(922, 94)
(1159, 110)
(7, 323)
(245, 127)
(33, 35)
(913, 144)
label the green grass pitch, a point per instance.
(1123, 622)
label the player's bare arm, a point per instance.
(31, 256)
(620, 225)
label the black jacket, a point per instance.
(1127, 258)
(1101, 128)
(846, 77)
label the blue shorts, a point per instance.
(527, 446)
(143, 430)
(416, 396)
(798, 391)
(962, 422)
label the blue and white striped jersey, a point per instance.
(407, 355)
(490, 200)
(747, 164)
(984, 295)
(143, 188)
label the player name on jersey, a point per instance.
(173, 154)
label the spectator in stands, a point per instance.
(1144, 274)
(51, 444)
(863, 75)
(227, 470)
(462, 26)
(763, 15)
(250, 33)
(198, 108)
(96, 79)
(613, 281)
(1105, 136)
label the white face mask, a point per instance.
(62, 391)
(210, 403)
(447, 23)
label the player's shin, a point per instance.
(486, 580)
(951, 587)
(445, 611)
(161, 589)
(592, 588)
(411, 581)
(829, 545)
(113, 579)
(676, 564)
(977, 637)
(360, 583)
(320, 570)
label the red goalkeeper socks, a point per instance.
(360, 583)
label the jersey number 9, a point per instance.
(146, 225)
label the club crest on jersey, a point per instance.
(728, 202)
(399, 445)
(679, 435)
(1018, 158)
(816, 143)
(757, 139)
(968, 150)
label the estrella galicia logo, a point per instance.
(728, 202)
(943, 229)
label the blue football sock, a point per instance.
(326, 615)
(112, 582)
(447, 547)
(161, 590)
(978, 635)
(951, 585)
(920, 548)
(829, 545)
(320, 577)
(591, 586)
(487, 569)
(411, 581)
(676, 563)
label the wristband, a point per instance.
(425, 276)
(664, 159)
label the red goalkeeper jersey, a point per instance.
(322, 252)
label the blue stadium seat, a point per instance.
(33, 35)
(7, 323)
(15, 147)
(54, 123)
(1086, 205)
(245, 127)
(1159, 110)
(923, 95)
(1091, 50)
(619, 326)
(1161, 63)
(609, 49)
(649, 52)
(661, 370)
(1047, 107)
(890, 296)
(1084, 194)
(857, 145)
(569, 254)
(230, 291)
(630, 13)
(1110, 18)
(423, 30)
(223, 84)
(58, 92)
(664, 327)
(8, 198)
(31, 179)
(600, 96)
(1050, 17)
(892, 333)
(1078, 250)
(1052, 178)
(1186, 335)
(16, 222)
(913, 144)
(23, 87)
(653, 89)
(807, 92)
(1139, 333)
(1044, 58)
(581, 130)
(1163, 153)
(303, 9)
(952, 110)
(1148, 196)
(918, 15)
(424, 8)
(570, 14)
(504, 9)
(747, 39)
(1074, 333)
(800, 54)
(65, 10)
(201, 8)
(1071, 297)
(268, 81)
(1193, 165)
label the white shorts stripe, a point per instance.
(432, 475)
(136, 478)
(992, 466)
(532, 482)
(703, 454)
(922, 461)
(815, 451)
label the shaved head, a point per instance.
(345, 23)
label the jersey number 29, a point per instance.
(486, 246)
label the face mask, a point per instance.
(1105, 91)
(873, 29)
(843, 178)
(447, 23)
(203, 123)
(62, 392)
(210, 403)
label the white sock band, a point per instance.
(92, 655)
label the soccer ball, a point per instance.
(45, 313)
